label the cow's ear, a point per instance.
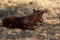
(33, 10)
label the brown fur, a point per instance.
(25, 22)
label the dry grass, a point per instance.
(50, 30)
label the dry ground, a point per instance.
(50, 30)
(43, 32)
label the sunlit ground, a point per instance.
(50, 30)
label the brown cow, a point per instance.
(25, 22)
